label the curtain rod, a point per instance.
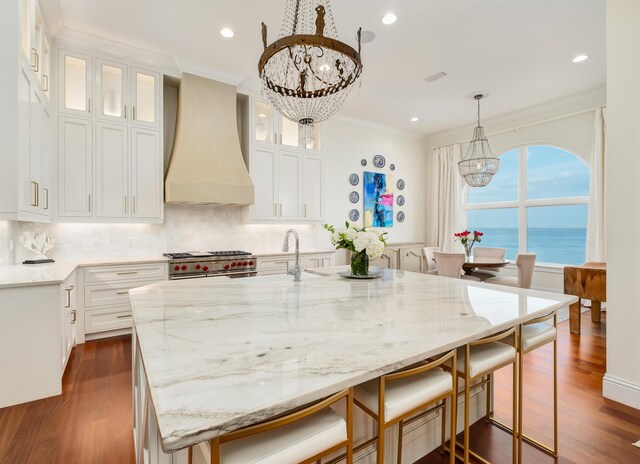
(504, 131)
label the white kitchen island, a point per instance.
(214, 355)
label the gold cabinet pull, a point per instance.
(125, 111)
(123, 293)
(134, 204)
(305, 210)
(125, 204)
(134, 113)
(34, 197)
(89, 197)
(34, 54)
(46, 197)
(75, 316)
(127, 273)
(68, 290)
(45, 85)
(89, 105)
(123, 316)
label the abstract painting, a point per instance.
(378, 199)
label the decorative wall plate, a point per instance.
(354, 179)
(392, 167)
(354, 197)
(363, 162)
(354, 215)
(379, 161)
(400, 200)
(400, 216)
(400, 184)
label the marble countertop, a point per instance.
(221, 354)
(29, 275)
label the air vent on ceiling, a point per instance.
(435, 77)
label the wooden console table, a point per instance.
(588, 281)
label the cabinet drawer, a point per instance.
(96, 296)
(104, 274)
(102, 320)
(274, 265)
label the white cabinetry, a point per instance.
(125, 158)
(104, 296)
(24, 115)
(279, 264)
(406, 256)
(68, 304)
(287, 172)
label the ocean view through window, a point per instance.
(537, 203)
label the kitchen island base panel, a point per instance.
(419, 437)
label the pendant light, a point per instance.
(479, 165)
(307, 72)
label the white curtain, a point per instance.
(449, 196)
(596, 222)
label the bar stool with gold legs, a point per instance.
(480, 359)
(302, 437)
(533, 335)
(404, 396)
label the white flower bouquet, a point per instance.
(363, 245)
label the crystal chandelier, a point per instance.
(479, 165)
(308, 73)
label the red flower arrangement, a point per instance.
(468, 239)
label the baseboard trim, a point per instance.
(620, 390)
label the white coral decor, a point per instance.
(38, 243)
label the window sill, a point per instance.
(542, 267)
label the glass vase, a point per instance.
(359, 263)
(467, 249)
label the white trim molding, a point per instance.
(620, 390)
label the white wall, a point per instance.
(622, 380)
(346, 143)
(572, 133)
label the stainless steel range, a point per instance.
(211, 264)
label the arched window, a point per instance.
(538, 203)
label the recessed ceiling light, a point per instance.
(415, 119)
(389, 18)
(579, 58)
(226, 32)
(262, 115)
(324, 67)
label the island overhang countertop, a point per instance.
(221, 354)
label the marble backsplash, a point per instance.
(186, 228)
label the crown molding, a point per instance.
(531, 115)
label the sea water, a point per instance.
(554, 246)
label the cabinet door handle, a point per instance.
(123, 316)
(123, 293)
(127, 273)
(46, 198)
(35, 193)
(75, 316)
(46, 82)
(305, 210)
(34, 54)
(37, 62)
(89, 105)
(125, 111)
(134, 204)
(134, 114)
(68, 290)
(89, 197)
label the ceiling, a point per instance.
(519, 50)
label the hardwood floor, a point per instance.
(91, 421)
(592, 430)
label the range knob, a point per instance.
(245, 263)
(206, 268)
(250, 263)
(177, 268)
(233, 264)
(184, 267)
(226, 266)
(198, 266)
(239, 263)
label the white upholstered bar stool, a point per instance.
(532, 335)
(525, 263)
(302, 437)
(487, 252)
(477, 360)
(407, 395)
(450, 265)
(430, 267)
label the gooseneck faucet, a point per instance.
(297, 270)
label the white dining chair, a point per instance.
(427, 253)
(525, 263)
(487, 252)
(450, 265)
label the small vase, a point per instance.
(359, 263)
(467, 250)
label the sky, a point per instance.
(551, 173)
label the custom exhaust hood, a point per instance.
(206, 164)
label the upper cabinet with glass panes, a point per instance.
(271, 127)
(121, 94)
(34, 43)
